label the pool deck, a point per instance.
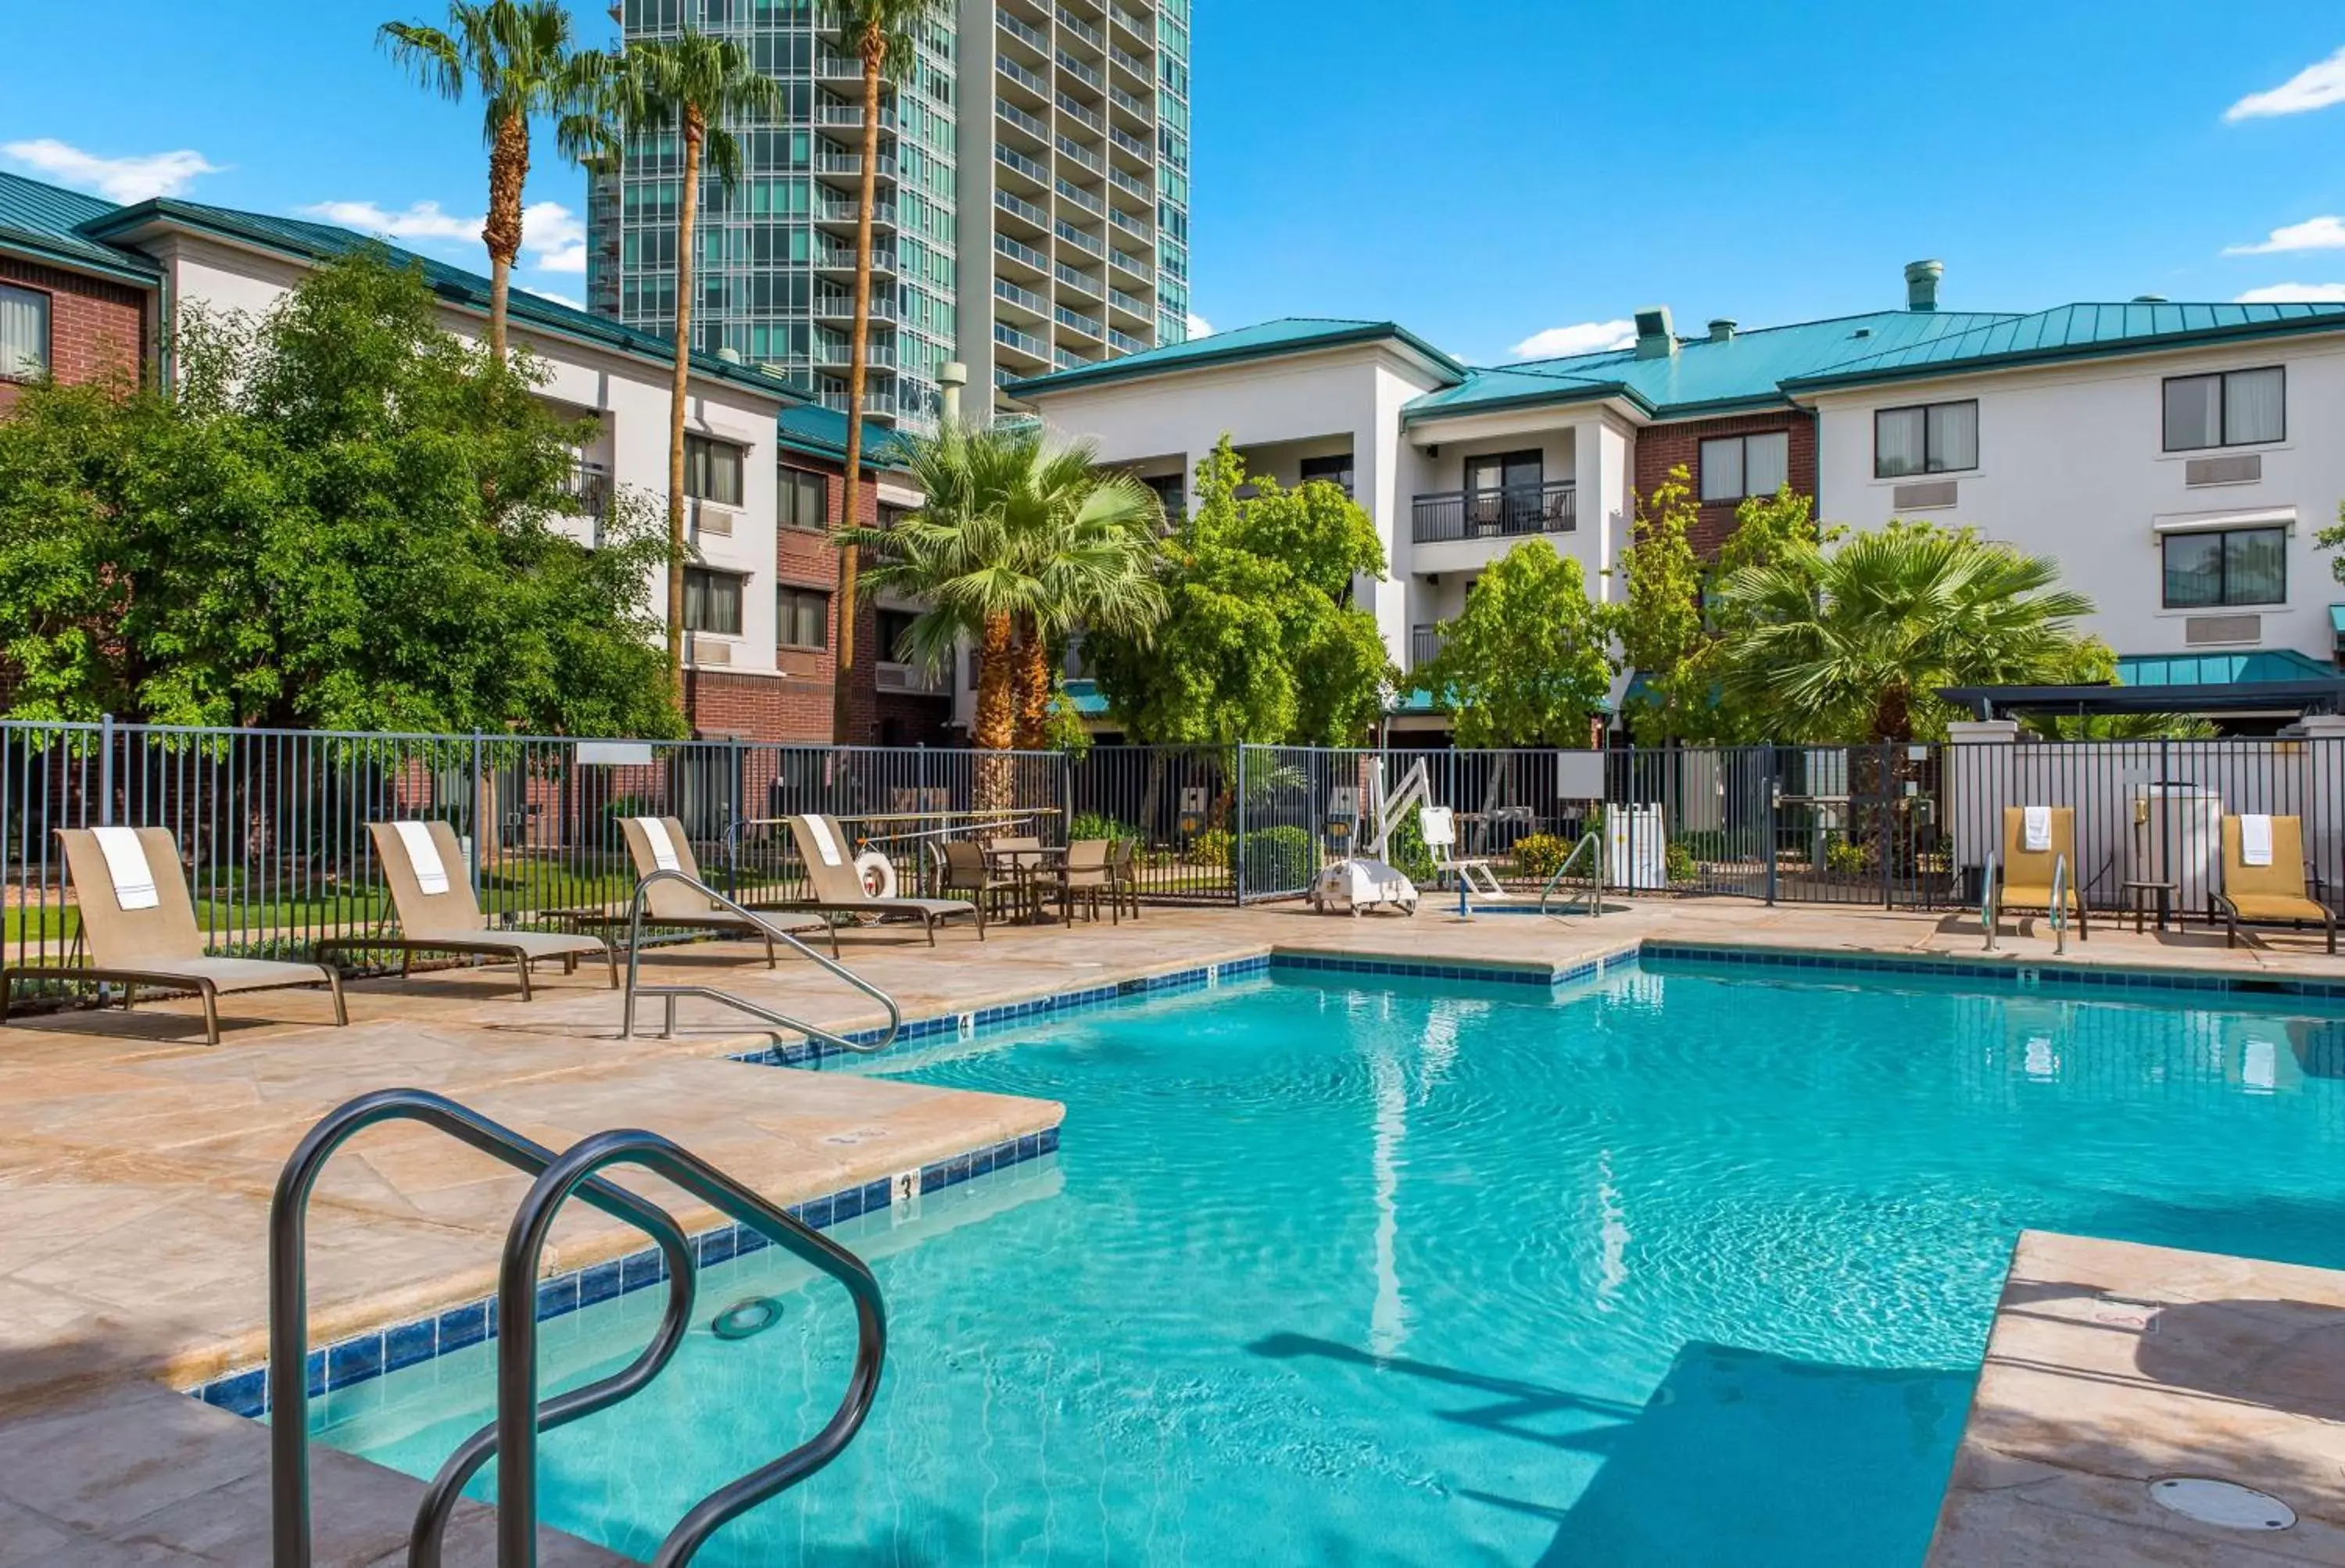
(136, 1165)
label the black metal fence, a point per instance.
(271, 825)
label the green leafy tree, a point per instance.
(516, 57)
(1854, 643)
(1660, 620)
(341, 516)
(884, 36)
(1527, 663)
(1260, 641)
(695, 84)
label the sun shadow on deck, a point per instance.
(1739, 1455)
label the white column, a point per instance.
(1378, 485)
(1604, 499)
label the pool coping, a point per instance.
(373, 1353)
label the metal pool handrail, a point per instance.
(1987, 902)
(517, 1418)
(1595, 876)
(709, 992)
(288, 1322)
(2060, 905)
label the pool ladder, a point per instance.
(669, 994)
(512, 1438)
(1595, 849)
(2059, 916)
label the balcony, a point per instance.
(1087, 325)
(1029, 124)
(1076, 278)
(1086, 75)
(1025, 78)
(1131, 63)
(1127, 184)
(586, 491)
(841, 258)
(1135, 26)
(1081, 28)
(835, 206)
(1067, 360)
(1026, 343)
(838, 305)
(1010, 158)
(1134, 264)
(1124, 342)
(879, 402)
(1077, 152)
(1033, 37)
(1424, 645)
(1024, 255)
(1514, 512)
(1019, 206)
(918, 679)
(1124, 220)
(1026, 298)
(1076, 195)
(1131, 143)
(840, 353)
(1080, 239)
(1129, 304)
(1135, 107)
(1082, 112)
(851, 163)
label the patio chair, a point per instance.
(431, 901)
(2274, 887)
(829, 855)
(1086, 876)
(1124, 875)
(661, 844)
(138, 925)
(2028, 872)
(967, 870)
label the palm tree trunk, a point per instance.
(687, 212)
(1032, 685)
(508, 173)
(991, 729)
(842, 696)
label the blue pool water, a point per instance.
(1685, 1267)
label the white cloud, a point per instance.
(2315, 87)
(554, 237)
(2292, 294)
(559, 299)
(553, 240)
(1582, 338)
(1199, 327)
(133, 179)
(2325, 233)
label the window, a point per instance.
(24, 333)
(2236, 408)
(803, 618)
(712, 601)
(2226, 567)
(1168, 488)
(1505, 471)
(1928, 438)
(893, 627)
(1333, 470)
(1735, 466)
(805, 500)
(712, 470)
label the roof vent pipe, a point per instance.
(1656, 339)
(1721, 331)
(1922, 284)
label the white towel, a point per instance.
(663, 846)
(423, 857)
(125, 864)
(824, 844)
(2036, 829)
(2255, 841)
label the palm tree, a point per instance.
(1858, 640)
(884, 35)
(1020, 541)
(516, 55)
(694, 83)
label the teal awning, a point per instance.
(1084, 694)
(2337, 619)
(2261, 668)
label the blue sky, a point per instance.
(1487, 171)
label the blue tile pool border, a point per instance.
(362, 1357)
(2009, 972)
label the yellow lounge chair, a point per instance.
(661, 844)
(2272, 894)
(2027, 874)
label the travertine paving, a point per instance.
(136, 1162)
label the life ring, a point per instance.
(751, 1315)
(878, 873)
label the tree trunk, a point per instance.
(842, 696)
(508, 173)
(1032, 685)
(687, 212)
(991, 729)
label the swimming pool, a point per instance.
(1683, 1266)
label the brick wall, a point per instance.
(1662, 447)
(96, 328)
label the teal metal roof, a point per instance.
(1085, 695)
(44, 221)
(1291, 335)
(810, 427)
(2337, 619)
(2256, 668)
(2072, 332)
(1748, 370)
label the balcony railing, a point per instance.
(1127, 184)
(1087, 243)
(1021, 76)
(1080, 72)
(1024, 342)
(890, 676)
(1127, 104)
(1130, 143)
(1135, 265)
(1022, 208)
(826, 162)
(586, 492)
(1131, 303)
(1033, 37)
(830, 207)
(1073, 149)
(1005, 154)
(1131, 62)
(1082, 112)
(1130, 24)
(1076, 278)
(1087, 325)
(1080, 197)
(1505, 512)
(1028, 123)
(1016, 252)
(1006, 290)
(1124, 342)
(1081, 28)
(1424, 645)
(1127, 222)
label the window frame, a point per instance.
(2222, 380)
(695, 471)
(785, 597)
(1341, 476)
(47, 359)
(2223, 600)
(1930, 462)
(1702, 473)
(790, 482)
(740, 597)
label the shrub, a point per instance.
(1681, 866)
(1278, 858)
(1098, 825)
(1408, 853)
(1211, 847)
(1849, 859)
(1539, 855)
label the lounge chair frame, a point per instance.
(838, 888)
(2287, 850)
(2028, 875)
(673, 905)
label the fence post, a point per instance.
(106, 769)
(1238, 840)
(1884, 773)
(1773, 782)
(480, 838)
(735, 808)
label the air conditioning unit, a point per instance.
(1922, 497)
(2198, 629)
(2245, 468)
(707, 520)
(698, 650)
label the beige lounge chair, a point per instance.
(2028, 874)
(829, 855)
(2269, 894)
(139, 928)
(671, 905)
(432, 900)
(1086, 876)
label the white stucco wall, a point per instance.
(2071, 464)
(627, 395)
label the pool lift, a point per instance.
(1366, 880)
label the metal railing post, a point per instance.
(480, 838)
(1238, 840)
(106, 769)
